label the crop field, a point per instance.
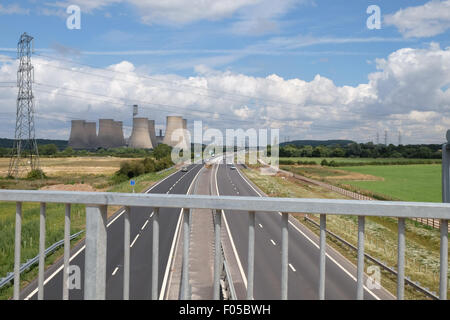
(408, 183)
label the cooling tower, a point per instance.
(151, 132)
(91, 132)
(173, 123)
(106, 136)
(78, 137)
(119, 140)
(140, 137)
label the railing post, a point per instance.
(323, 237)
(284, 255)
(155, 254)
(217, 254)
(185, 273)
(443, 282)
(126, 255)
(17, 246)
(251, 254)
(401, 259)
(66, 251)
(444, 223)
(95, 260)
(360, 267)
(41, 252)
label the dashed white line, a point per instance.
(115, 270)
(292, 268)
(144, 225)
(273, 242)
(131, 245)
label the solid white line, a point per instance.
(55, 273)
(131, 245)
(115, 270)
(290, 266)
(241, 270)
(273, 242)
(144, 225)
(151, 215)
(172, 248)
(312, 241)
(84, 246)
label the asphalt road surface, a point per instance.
(303, 277)
(140, 243)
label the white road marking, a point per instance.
(292, 268)
(151, 215)
(315, 244)
(260, 225)
(241, 270)
(50, 277)
(273, 242)
(131, 245)
(172, 248)
(144, 225)
(115, 270)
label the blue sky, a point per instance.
(246, 39)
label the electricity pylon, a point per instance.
(25, 154)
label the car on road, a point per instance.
(184, 169)
(233, 167)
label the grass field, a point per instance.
(93, 172)
(408, 183)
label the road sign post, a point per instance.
(132, 183)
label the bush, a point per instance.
(36, 174)
(324, 163)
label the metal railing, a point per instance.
(96, 232)
(27, 265)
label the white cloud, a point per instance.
(409, 92)
(428, 20)
(13, 9)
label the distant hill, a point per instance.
(61, 144)
(315, 143)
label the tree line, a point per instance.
(363, 150)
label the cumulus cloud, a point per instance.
(428, 20)
(408, 92)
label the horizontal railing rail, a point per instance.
(397, 209)
(27, 265)
(96, 233)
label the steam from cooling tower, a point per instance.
(140, 136)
